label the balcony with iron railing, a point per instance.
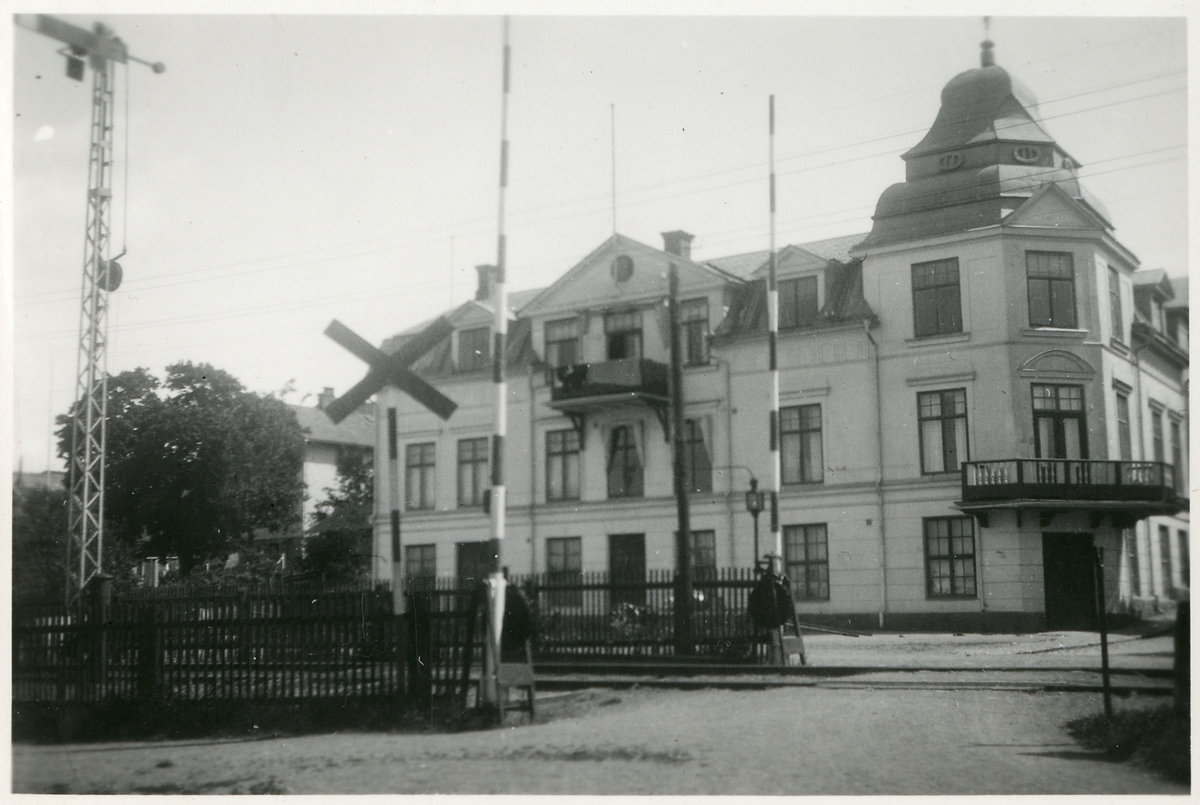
(626, 376)
(1140, 487)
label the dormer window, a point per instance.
(473, 349)
(798, 303)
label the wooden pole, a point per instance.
(684, 644)
(1099, 575)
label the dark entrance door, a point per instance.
(627, 568)
(1068, 568)
(474, 562)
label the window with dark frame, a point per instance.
(697, 464)
(624, 464)
(693, 331)
(806, 558)
(1156, 435)
(798, 303)
(420, 567)
(942, 416)
(562, 464)
(419, 474)
(1177, 455)
(1185, 560)
(949, 557)
(704, 555)
(623, 334)
(562, 342)
(472, 471)
(1124, 431)
(1164, 560)
(1051, 280)
(473, 349)
(801, 457)
(1129, 538)
(564, 567)
(937, 298)
(1058, 417)
(1114, 304)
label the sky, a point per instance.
(289, 170)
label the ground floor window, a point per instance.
(806, 554)
(949, 557)
(1129, 537)
(704, 555)
(420, 566)
(564, 566)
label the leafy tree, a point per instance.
(39, 550)
(195, 464)
(339, 551)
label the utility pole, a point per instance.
(773, 362)
(101, 276)
(684, 642)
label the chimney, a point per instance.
(487, 275)
(678, 243)
(325, 398)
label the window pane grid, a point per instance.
(937, 301)
(1051, 280)
(798, 302)
(942, 417)
(950, 557)
(419, 475)
(624, 465)
(472, 470)
(562, 465)
(806, 553)
(800, 444)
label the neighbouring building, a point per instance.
(974, 394)
(324, 441)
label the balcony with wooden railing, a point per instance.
(1139, 488)
(587, 388)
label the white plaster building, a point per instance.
(973, 395)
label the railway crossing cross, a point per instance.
(391, 370)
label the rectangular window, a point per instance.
(562, 465)
(562, 342)
(1129, 537)
(1059, 428)
(474, 562)
(1177, 455)
(418, 475)
(420, 567)
(1124, 432)
(704, 555)
(564, 568)
(623, 334)
(1164, 560)
(937, 302)
(473, 349)
(472, 471)
(697, 465)
(800, 444)
(798, 303)
(693, 332)
(949, 557)
(1051, 278)
(624, 464)
(943, 422)
(1114, 304)
(806, 554)
(1156, 434)
(1185, 561)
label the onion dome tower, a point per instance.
(985, 155)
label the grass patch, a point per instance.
(1157, 739)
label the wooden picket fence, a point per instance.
(293, 645)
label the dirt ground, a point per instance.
(784, 741)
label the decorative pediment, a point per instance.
(621, 272)
(1051, 208)
(1057, 363)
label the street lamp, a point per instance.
(754, 504)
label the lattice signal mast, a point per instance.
(101, 276)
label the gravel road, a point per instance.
(784, 741)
